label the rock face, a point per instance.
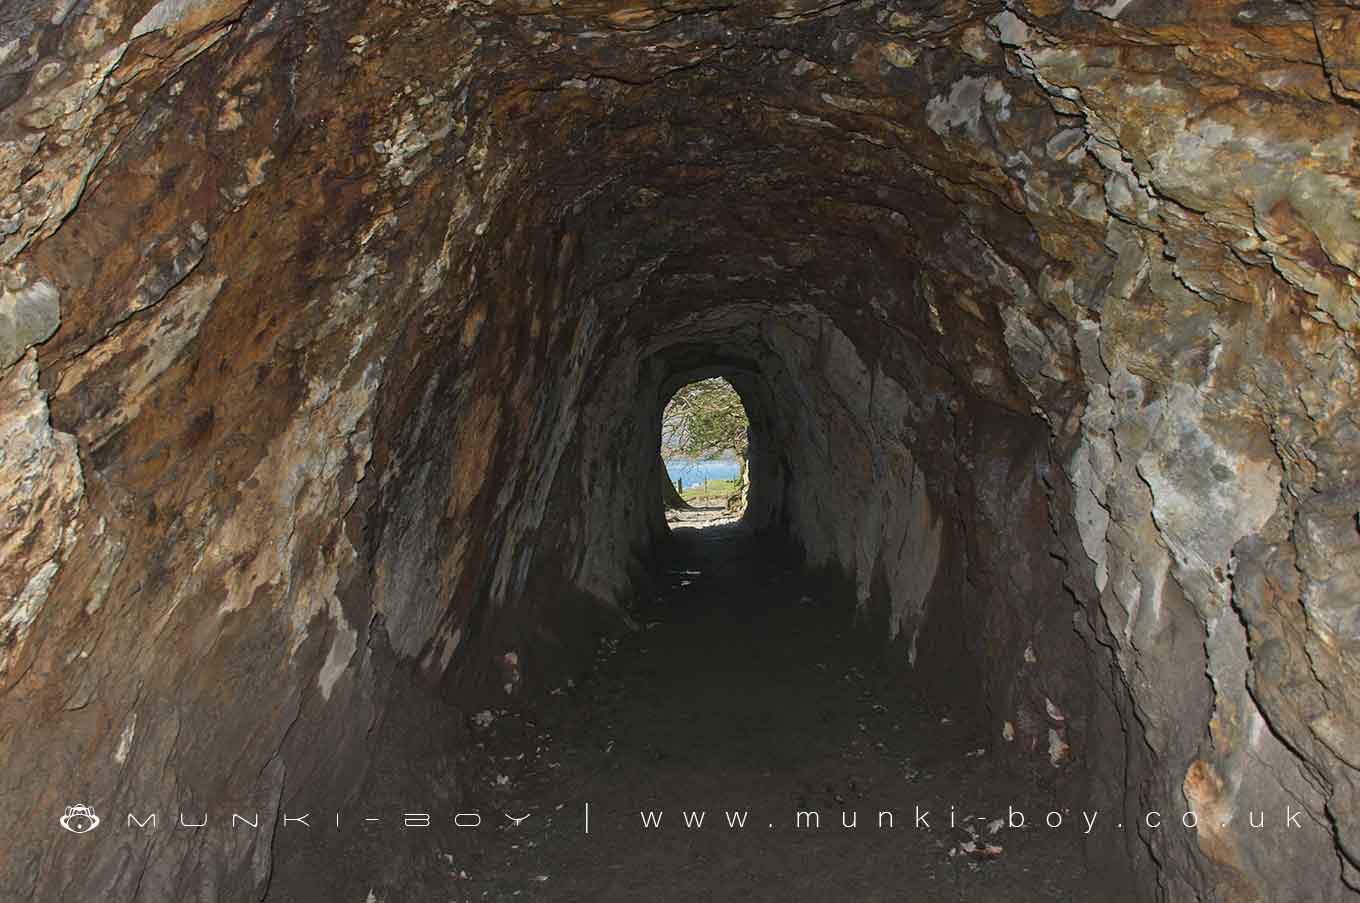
(334, 339)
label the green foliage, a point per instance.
(703, 420)
(720, 490)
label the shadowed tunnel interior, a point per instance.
(334, 340)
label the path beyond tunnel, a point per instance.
(334, 343)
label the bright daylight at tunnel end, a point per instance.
(705, 439)
(349, 551)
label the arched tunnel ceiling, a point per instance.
(331, 337)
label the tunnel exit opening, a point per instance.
(705, 450)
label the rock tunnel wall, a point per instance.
(332, 339)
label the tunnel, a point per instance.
(334, 340)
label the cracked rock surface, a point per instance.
(333, 340)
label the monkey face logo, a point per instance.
(79, 819)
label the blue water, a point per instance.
(696, 472)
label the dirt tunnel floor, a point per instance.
(740, 693)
